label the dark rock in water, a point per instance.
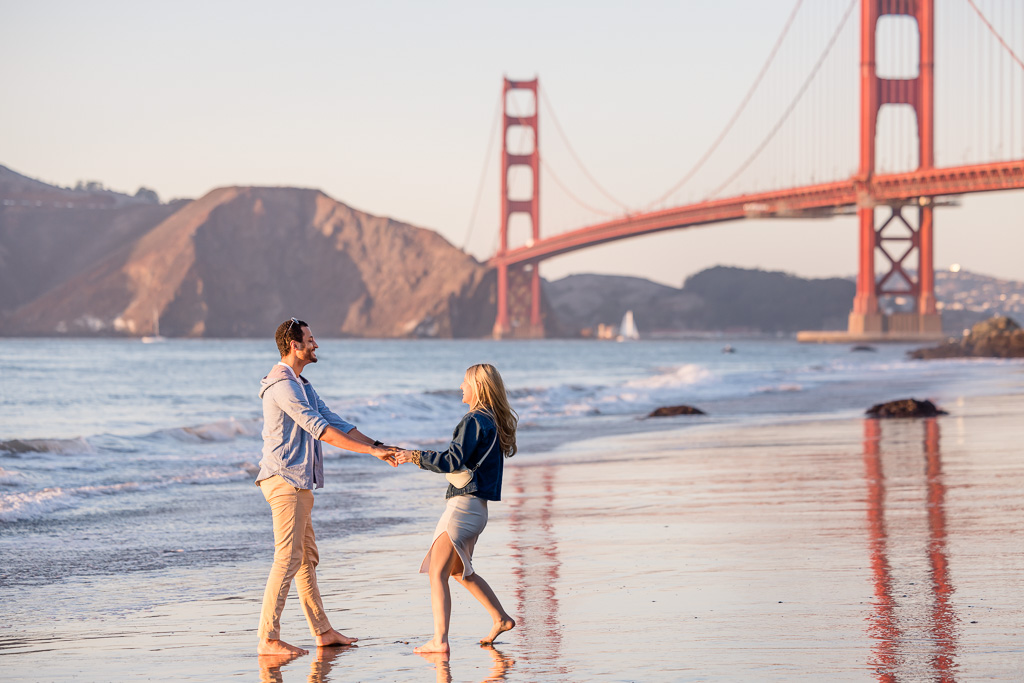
(863, 347)
(670, 411)
(998, 337)
(908, 407)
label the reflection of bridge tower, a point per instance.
(898, 621)
(537, 563)
(897, 239)
(519, 284)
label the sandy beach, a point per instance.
(838, 549)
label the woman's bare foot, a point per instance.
(278, 647)
(502, 664)
(506, 624)
(433, 645)
(332, 637)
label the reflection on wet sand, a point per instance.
(270, 667)
(899, 626)
(442, 666)
(537, 565)
(319, 668)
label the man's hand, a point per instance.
(403, 457)
(385, 454)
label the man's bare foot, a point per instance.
(433, 645)
(506, 624)
(436, 658)
(332, 637)
(278, 647)
(273, 662)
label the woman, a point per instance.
(482, 438)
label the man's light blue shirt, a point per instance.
(294, 419)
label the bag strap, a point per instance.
(489, 449)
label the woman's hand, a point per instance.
(403, 457)
(385, 454)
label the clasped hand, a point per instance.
(386, 454)
(395, 456)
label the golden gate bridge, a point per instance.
(951, 69)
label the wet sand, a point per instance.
(842, 549)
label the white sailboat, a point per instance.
(156, 338)
(627, 329)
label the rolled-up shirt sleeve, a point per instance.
(465, 439)
(292, 400)
(332, 417)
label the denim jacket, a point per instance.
(470, 442)
(294, 419)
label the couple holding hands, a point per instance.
(296, 420)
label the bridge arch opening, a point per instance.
(520, 230)
(520, 140)
(897, 141)
(520, 183)
(518, 103)
(897, 47)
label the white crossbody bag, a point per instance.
(460, 478)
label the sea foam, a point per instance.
(39, 504)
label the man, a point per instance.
(295, 421)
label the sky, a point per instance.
(389, 108)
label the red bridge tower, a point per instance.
(519, 313)
(919, 93)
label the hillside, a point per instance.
(50, 234)
(768, 301)
(588, 300)
(716, 299)
(966, 298)
(234, 264)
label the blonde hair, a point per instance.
(491, 395)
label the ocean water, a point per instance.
(120, 457)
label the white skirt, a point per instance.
(463, 520)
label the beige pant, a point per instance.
(295, 556)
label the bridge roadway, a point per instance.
(810, 200)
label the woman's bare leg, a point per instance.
(442, 559)
(481, 590)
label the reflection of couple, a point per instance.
(296, 420)
(320, 668)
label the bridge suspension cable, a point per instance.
(554, 176)
(792, 105)
(572, 153)
(996, 33)
(736, 115)
(483, 174)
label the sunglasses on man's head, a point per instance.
(293, 322)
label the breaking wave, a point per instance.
(60, 446)
(220, 431)
(31, 505)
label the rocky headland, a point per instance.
(999, 337)
(233, 263)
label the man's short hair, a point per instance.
(288, 331)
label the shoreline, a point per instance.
(792, 547)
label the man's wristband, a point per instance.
(378, 443)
